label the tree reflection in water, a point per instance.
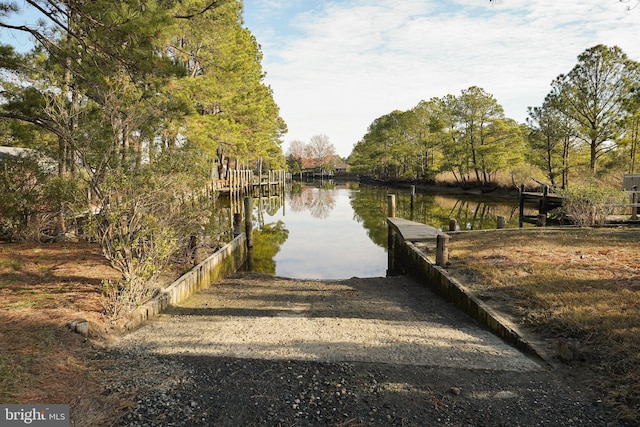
(339, 231)
(318, 201)
(266, 245)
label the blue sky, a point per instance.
(335, 66)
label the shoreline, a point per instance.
(432, 187)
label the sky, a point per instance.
(336, 65)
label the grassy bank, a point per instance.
(579, 288)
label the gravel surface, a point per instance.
(266, 351)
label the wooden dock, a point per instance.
(247, 183)
(545, 201)
(402, 231)
(411, 231)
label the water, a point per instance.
(317, 235)
(340, 231)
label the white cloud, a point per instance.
(337, 66)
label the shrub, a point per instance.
(590, 205)
(21, 191)
(141, 225)
(34, 200)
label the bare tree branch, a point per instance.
(207, 8)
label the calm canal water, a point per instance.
(337, 231)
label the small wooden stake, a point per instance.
(442, 249)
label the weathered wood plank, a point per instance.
(552, 197)
(413, 231)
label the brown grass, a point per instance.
(41, 289)
(578, 284)
(582, 284)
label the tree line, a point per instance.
(589, 123)
(135, 105)
(319, 153)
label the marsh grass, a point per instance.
(580, 283)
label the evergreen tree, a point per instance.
(592, 94)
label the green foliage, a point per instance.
(32, 199)
(551, 142)
(592, 95)
(266, 245)
(21, 183)
(589, 117)
(233, 113)
(294, 164)
(589, 205)
(467, 135)
(143, 223)
(135, 101)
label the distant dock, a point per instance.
(247, 183)
(546, 202)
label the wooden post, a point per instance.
(521, 216)
(248, 220)
(391, 205)
(634, 207)
(501, 222)
(541, 220)
(544, 205)
(237, 224)
(391, 265)
(442, 249)
(453, 224)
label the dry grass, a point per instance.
(578, 284)
(41, 289)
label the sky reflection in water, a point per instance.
(325, 241)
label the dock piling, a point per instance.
(442, 249)
(248, 223)
(391, 205)
(237, 224)
(521, 216)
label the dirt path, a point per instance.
(263, 350)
